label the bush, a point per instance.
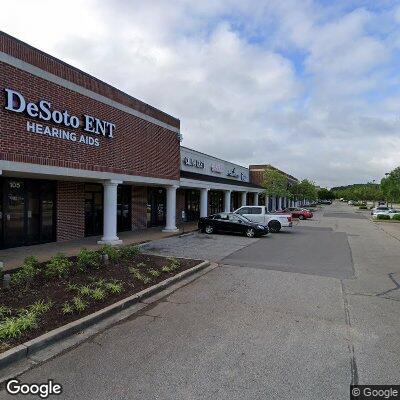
(396, 217)
(129, 252)
(383, 216)
(27, 272)
(14, 327)
(111, 251)
(59, 266)
(88, 259)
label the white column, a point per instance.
(171, 210)
(256, 199)
(244, 199)
(110, 213)
(227, 202)
(267, 202)
(203, 203)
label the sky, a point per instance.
(311, 87)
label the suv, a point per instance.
(261, 215)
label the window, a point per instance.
(256, 210)
(235, 218)
(244, 210)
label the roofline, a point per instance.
(88, 75)
(263, 167)
(217, 158)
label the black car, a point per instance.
(230, 222)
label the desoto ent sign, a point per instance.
(43, 111)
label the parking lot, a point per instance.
(296, 315)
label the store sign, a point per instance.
(217, 168)
(232, 173)
(43, 111)
(192, 162)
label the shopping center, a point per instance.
(79, 158)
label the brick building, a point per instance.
(79, 157)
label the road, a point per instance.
(296, 315)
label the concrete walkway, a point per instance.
(13, 258)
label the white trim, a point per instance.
(195, 184)
(49, 172)
(17, 63)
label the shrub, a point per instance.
(154, 272)
(79, 304)
(111, 251)
(139, 276)
(383, 216)
(28, 271)
(88, 259)
(128, 252)
(173, 264)
(396, 217)
(59, 266)
(98, 294)
(85, 290)
(4, 311)
(40, 307)
(67, 308)
(14, 327)
(114, 287)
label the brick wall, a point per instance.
(256, 177)
(138, 147)
(29, 54)
(139, 207)
(70, 210)
(180, 205)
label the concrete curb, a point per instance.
(27, 349)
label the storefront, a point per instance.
(77, 156)
(210, 185)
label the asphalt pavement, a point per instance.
(297, 315)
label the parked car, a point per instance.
(350, 202)
(300, 213)
(232, 223)
(328, 202)
(383, 210)
(261, 215)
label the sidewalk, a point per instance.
(13, 258)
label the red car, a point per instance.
(300, 213)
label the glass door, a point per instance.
(156, 206)
(93, 209)
(124, 200)
(14, 212)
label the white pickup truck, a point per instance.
(261, 215)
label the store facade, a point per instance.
(78, 157)
(209, 185)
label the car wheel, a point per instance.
(250, 232)
(209, 229)
(274, 226)
(301, 216)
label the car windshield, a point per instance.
(241, 217)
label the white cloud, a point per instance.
(309, 89)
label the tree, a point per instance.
(307, 190)
(325, 194)
(391, 186)
(275, 183)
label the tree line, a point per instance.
(278, 184)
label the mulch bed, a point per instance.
(56, 290)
